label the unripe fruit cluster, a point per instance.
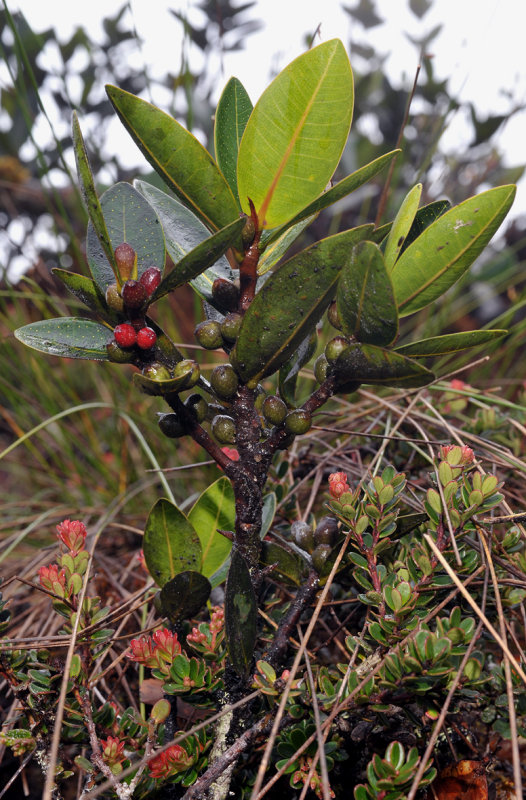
(212, 334)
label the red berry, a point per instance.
(133, 294)
(125, 335)
(146, 338)
(150, 280)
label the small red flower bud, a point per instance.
(125, 335)
(338, 484)
(146, 338)
(150, 280)
(73, 534)
(126, 259)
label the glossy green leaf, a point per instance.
(401, 226)
(288, 374)
(340, 190)
(89, 194)
(269, 510)
(445, 250)
(184, 595)
(231, 117)
(214, 510)
(423, 219)
(290, 304)
(296, 134)
(68, 337)
(180, 380)
(366, 363)
(365, 297)
(170, 543)
(184, 233)
(178, 157)
(87, 291)
(240, 615)
(277, 248)
(201, 258)
(129, 218)
(291, 568)
(449, 343)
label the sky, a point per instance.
(480, 49)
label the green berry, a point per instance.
(208, 334)
(197, 406)
(302, 535)
(171, 426)
(298, 421)
(156, 372)
(321, 368)
(333, 316)
(274, 409)
(230, 326)
(113, 298)
(224, 380)
(224, 429)
(225, 294)
(319, 556)
(117, 355)
(326, 531)
(335, 348)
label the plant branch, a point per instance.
(304, 598)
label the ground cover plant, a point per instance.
(318, 641)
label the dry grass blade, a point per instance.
(507, 670)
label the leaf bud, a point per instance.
(298, 421)
(302, 535)
(208, 334)
(326, 530)
(230, 326)
(248, 232)
(171, 425)
(126, 259)
(224, 429)
(224, 380)
(225, 294)
(114, 298)
(335, 347)
(333, 316)
(133, 294)
(197, 406)
(274, 409)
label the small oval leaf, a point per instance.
(68, 337)
(365, 297)
(286, 159)
(290, 567)
(366, 363)
(170, 543)
(178, 157)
